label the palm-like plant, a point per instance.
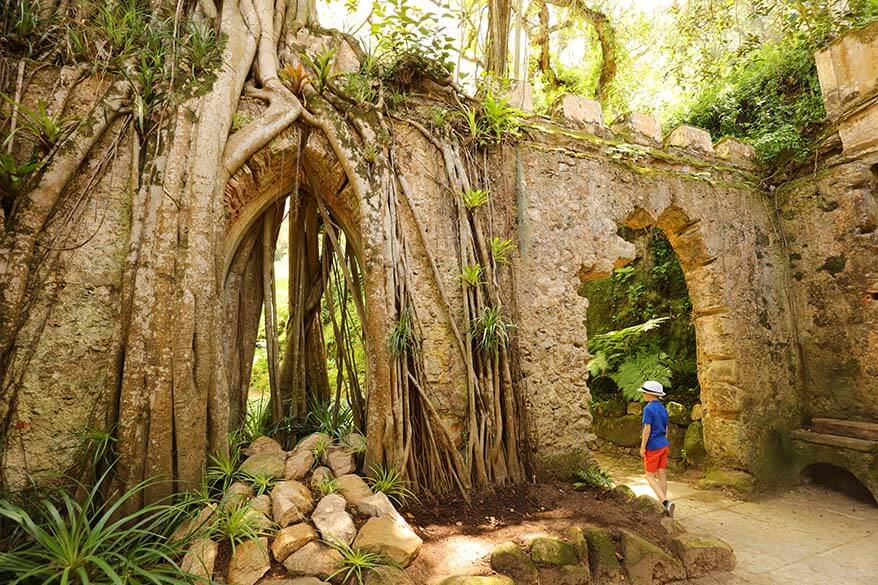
(92, 542)
(355, 563)
(389, 481)
(491, 329)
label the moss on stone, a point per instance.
(601, 555)
(678, 414)
(545, 551)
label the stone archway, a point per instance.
(297, 165)
(717, 352)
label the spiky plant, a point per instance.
(473, 198)
(321, 446)
(472, 275)
(403, 335)
(389, 481)
(356, 563)
(327, 485)
(237, 523)
(261, 482)
(66, 541)
(491, 329)
(501, 249)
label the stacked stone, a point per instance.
(617, 426)
(592, 555)
(301, 525)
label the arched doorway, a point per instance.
(300, 308)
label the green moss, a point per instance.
(546, 551)
(601, 555)
(834, 264)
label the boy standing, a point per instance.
(654, 445)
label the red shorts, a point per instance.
(655, 460)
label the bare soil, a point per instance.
(459, 536)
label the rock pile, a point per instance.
(302, 528)
(593, 555)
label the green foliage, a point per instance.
(389, 481)
(411, 43)
(14, 175)
(239, 120)
(237, 523)
(355, 564)
(756, 78)
(256, 419)
(438, 117)
(493, 121)
(261, 482)
(472, 275)
(592, 477)
(222, 469)
(491, 329)
(327, 485)
(623, 357)
(403, 336)
(80, 543)
(323, 418)
(501, 249)
(473, 198)
(42, 127)
(321, 446)
(322, 64)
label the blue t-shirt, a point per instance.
(656, 416)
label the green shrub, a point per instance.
(356, 564)
(592, 477)
(491, 329)
(389, 481)
(65, 541)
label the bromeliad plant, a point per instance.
(389, 481)
(472, 275)
(68, 542)
(491, 329)
(473, 198)
(501, 249)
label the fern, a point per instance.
(643, 365)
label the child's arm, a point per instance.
(644, 437)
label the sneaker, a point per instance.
(669, 508)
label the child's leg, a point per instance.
(662, 475)
(653, 482)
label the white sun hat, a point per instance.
(652, 387)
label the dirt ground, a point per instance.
(459, 536)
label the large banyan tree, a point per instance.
(224, 110)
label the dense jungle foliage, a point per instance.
(639, 324)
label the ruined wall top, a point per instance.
(848, 73)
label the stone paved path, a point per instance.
(807, 536)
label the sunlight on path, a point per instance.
(807, 536)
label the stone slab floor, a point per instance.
(807, 536)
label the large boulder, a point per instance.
(388, 576)
(250, 561)
(602, 555)
(389, 538)
(262, 444)
(693, 443)
(378, 505)
(340, 461)
(477, 580)
(311, 441)
(558, 562)
(355, 442)
(290, 502)
(332, 521)
(624, 430)
(546, 551)
(262, 504)
(270, 463)
(613, 408)
(200, 560)
(198, 524)
(298, 464)
(237, 494)
(676, 439)
(645, 563)
(354, 489)
(290, 539)
(508, 558)
(678, 414)
(314, 560)
(703, 554)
